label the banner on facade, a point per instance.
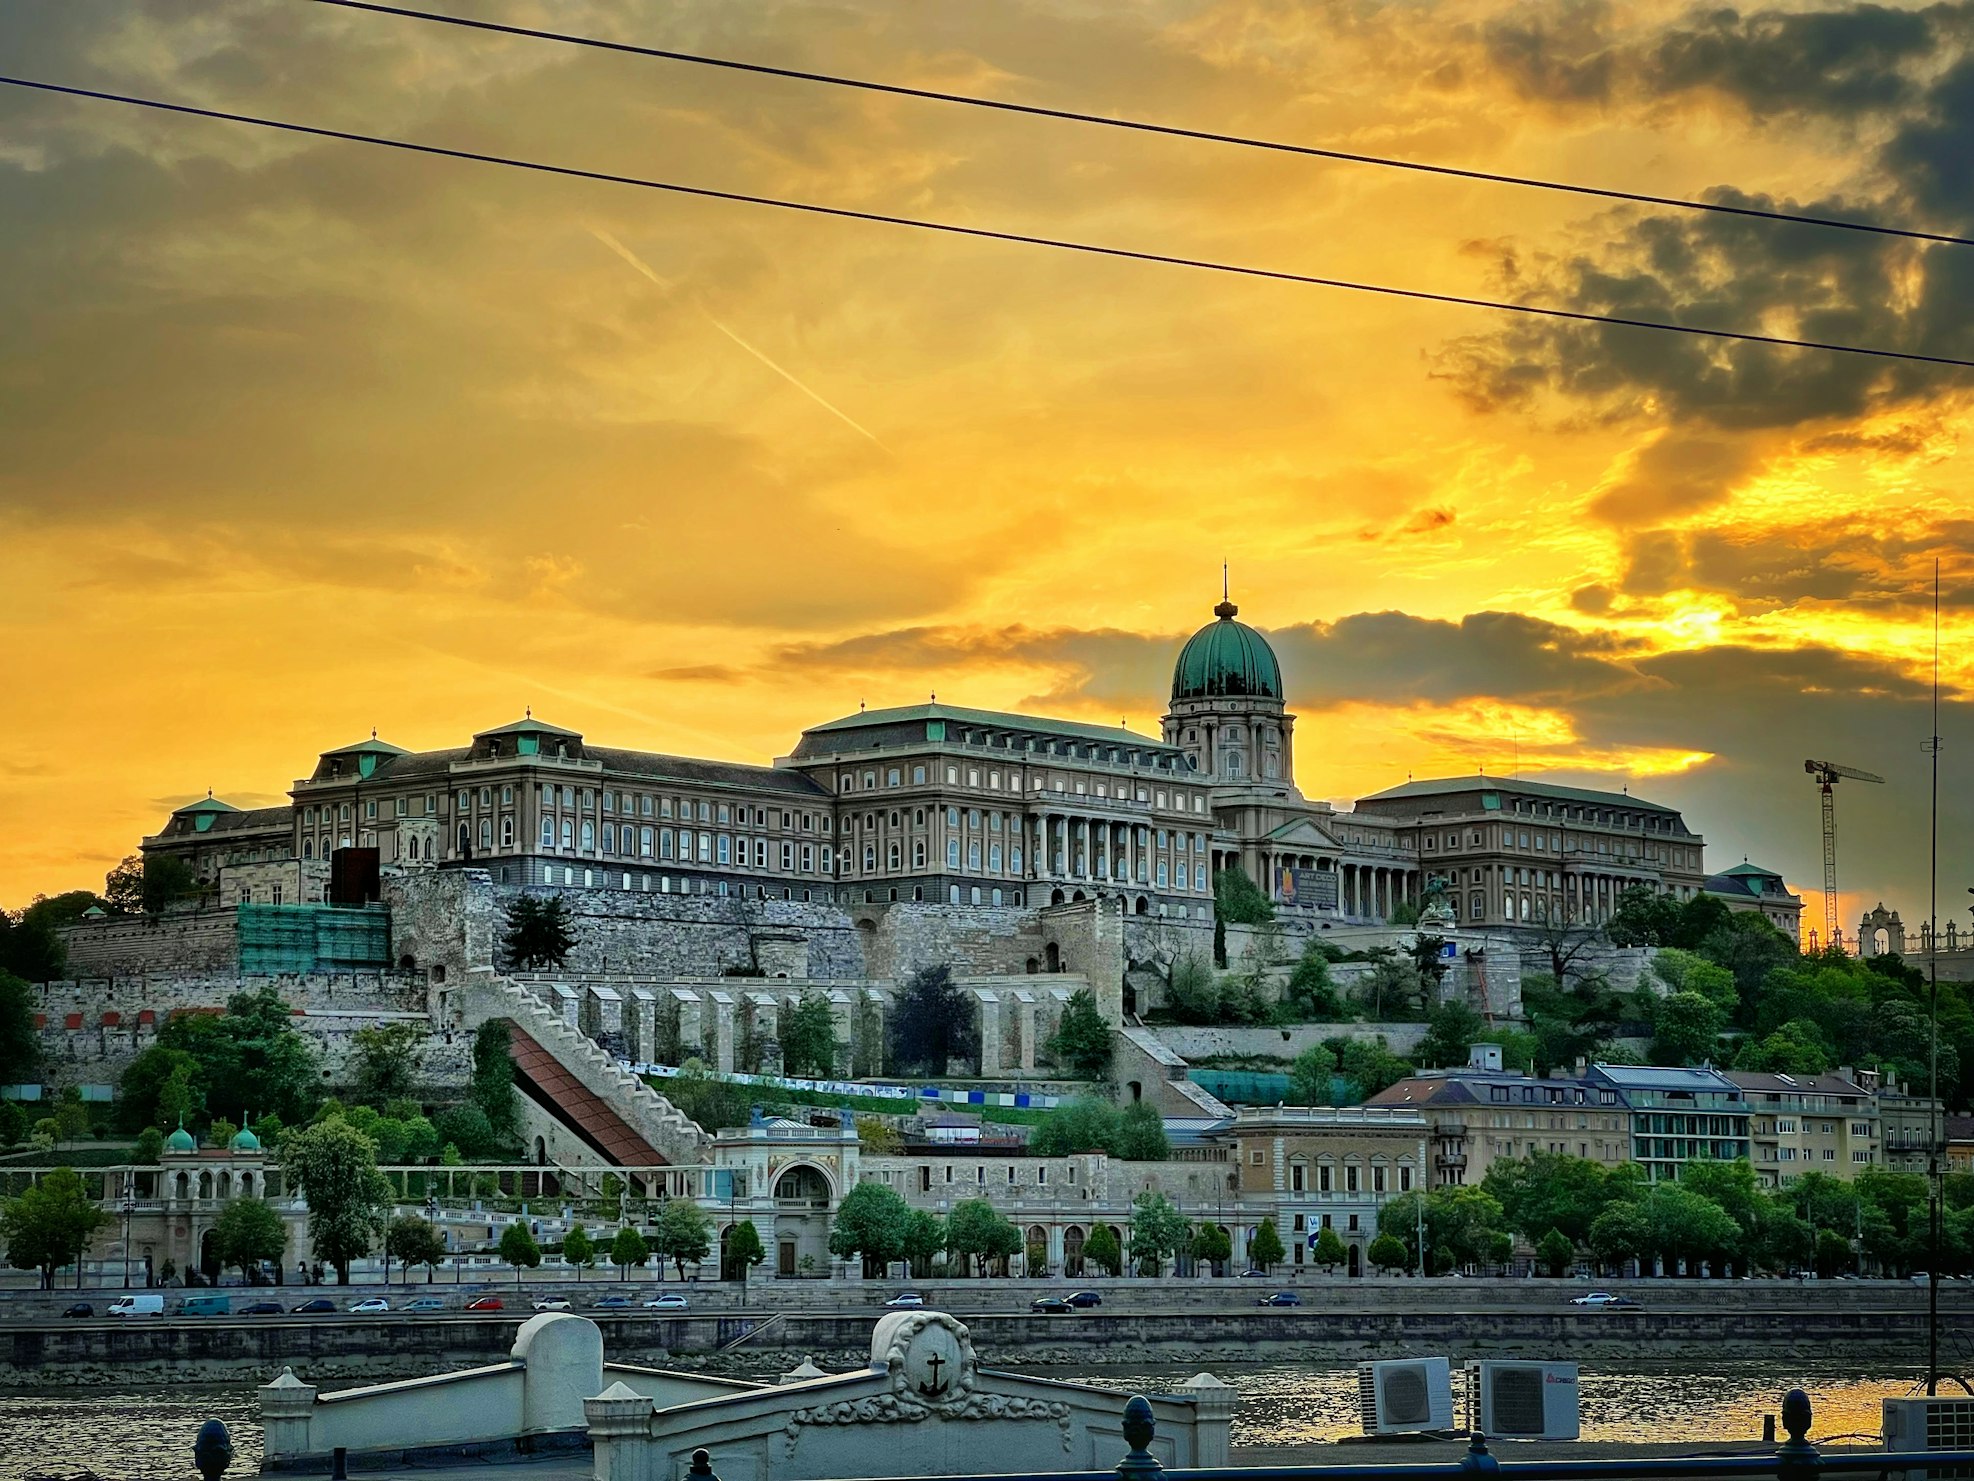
(1316, 888)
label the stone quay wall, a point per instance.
(324, 1349)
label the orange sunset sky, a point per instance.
(298, 438)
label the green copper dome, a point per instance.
(246, 1141)
(181, 1141)
(1226, 659)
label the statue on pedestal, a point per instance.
(1435, 902)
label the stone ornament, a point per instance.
(930, 1359)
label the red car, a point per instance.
(484, 1303)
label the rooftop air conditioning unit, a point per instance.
(1522, 1401)
(1929, 1424)
(1405, 1397)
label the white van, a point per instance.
(136, 1305)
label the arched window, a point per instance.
(507, 833)
(609, 838)
(973, 855)
(308, 848)
(486, 833)
(870, 858)
(918, 854)
(568, 833)
(953, 855)
(548, 833)
(589, 835)
(891, 857)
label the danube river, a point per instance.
(145, 1434)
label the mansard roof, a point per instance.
(915, 722)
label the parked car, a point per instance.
(147, 1304)
(1084, 1298)
(79, 1308)
(1254, 1275)
(485, 1303)
(612, 1303)
(262, 1308)
(1601, 1298)
(669, 1302)
(370, 1304)
(1280, 1298)
(313, 1305)
(1052, 1306)
(906, 1298)
(205, 1306)
(426, 1303)
(552, 1303)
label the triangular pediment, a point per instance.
(1302, 833)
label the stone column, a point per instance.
(619, 1422)
(644, 1024)
(286, 1405)
(843, 1011)
(1213, 1419)
(1025, 1015)
(990, 1032)
(722, 1045)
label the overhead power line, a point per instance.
(1143, 126)
(982, 233)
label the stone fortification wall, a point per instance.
(178, 941)
(92, 1028)
(1282, 1043)
(696, 935)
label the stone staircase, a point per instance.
(676, 1136)
(1171, 1068)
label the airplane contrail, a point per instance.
(668, 284)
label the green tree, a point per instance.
(123, 886)
(1832, 1254)
(577, 1250)
(492, 1084)
(20, 1043)
(1643, 916)
(1797, 1048)
(1620, 1233)
(932, 1024)
(808, 1037)
(1329, 1251)
(1549, 1190)
(1393, 987)
(872, 1222)
(31, 943)
(168, 881)
(1158, 1231)
(465, 1128)
(1749, 948)
(1238, 900)
(925, 1237)
(1368, 1065)
(1312, 995)
(976, 1231)
(50, 1224)
(1265, 1250)
(1685, 971)
(150, 1146)
(1102, 1250)
(1312, 1076)
(1686, 1225)
(1192, 992)
(335, 1167)
(518, 1249)
(1453, 1028)
(251, 1060)
(411, 1241)
(538, 932)
(71, 1121)
(1141, 1134)
(683, 1234)
(1085, 1124)
(743, 1251)
(1556, 1251)
(629, 1248)
(386, 1061)
(1686, 1029)
(1389, 1255)
(1212, 1244)
(1081, 1042)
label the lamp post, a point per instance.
(129, 1207)
(432, 1218)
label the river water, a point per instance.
(145, 1434)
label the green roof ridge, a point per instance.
(997, 719)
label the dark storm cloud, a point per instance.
(1908, 73)
(1866, 568)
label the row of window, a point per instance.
(919, 773)
(1325, 1176)
(690, 809)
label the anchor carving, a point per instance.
(938, 1385)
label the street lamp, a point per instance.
(129, 1207)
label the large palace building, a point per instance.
(938, 803)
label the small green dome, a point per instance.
(1226, 660)
(246, 1141)
(181, 1141)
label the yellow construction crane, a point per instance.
(1828, 774)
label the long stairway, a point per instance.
(592, 1090)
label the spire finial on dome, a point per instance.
(1226, 610)
(527, 712)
